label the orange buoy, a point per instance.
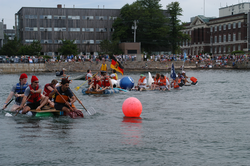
(132, 107)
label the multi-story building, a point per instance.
(87, 27)
(221, 35)
(10, 33)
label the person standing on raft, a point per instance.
(17, 90)
(67, 95)
(103, 68)
(33, 94)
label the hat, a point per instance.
(142, 75)
(34, 78)
(23, 76)
(183, 71)
(64, 69)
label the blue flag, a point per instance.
(185, 55)
(173, 75)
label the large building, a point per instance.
(87, 27)
(221, 35)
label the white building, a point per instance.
(243, 7)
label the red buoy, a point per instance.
(132, 107)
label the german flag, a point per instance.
(116, 65)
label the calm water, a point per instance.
(207, 124)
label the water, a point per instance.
(207, 124)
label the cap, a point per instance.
(34, 78)
(23, 76)
(142, 75)
(64, 69)
(183, 71)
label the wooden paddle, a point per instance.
(8, 103)
(78, 87)
(64, 100)
(92, 109)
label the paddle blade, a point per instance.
(91, 111)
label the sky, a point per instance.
(191, 8)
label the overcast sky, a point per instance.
(190, 8)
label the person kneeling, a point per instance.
(35, 99)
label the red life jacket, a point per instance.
(97, 82)
(163, 81)
(176, 84)
(105, 82)
(46, 91)
(34, 97)
(141, 80)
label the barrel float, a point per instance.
(127, 83)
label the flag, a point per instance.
(185, 55)
(173, 75)
(116, 65)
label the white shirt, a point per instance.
(144, 82)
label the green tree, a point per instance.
(175, 35)
(68, 47)
(110, 47)
(33, 49)
(151, 24)
(11, 47)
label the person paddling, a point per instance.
(17, 91)
(33, 97)
(106, 81)
(48, 88)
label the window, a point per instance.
(219, 27)
(233, 47)
(98, 41)
(229, 49)
(234, 37)
(101, 17)
(234, 25)
(46, 41)
(28, 41)
(229, 37)
(211, 49)
(229, 26)
(224, 27)
(215, 49)
(77, 41)
(112, 18)
(239, 36)
(60, 29)
(88, 41)
(211, 29)
(224, 38)
(45, 29)
(219, 49)
(74, 17)
(58, 41)
(211, 39)
(45, 16)
(88, 29)
(215, 39)
(215, 28)
(239, 24)
(220, 39)
(30, 16)
(59, 17)
(74, 29)
(239, 47)
(101, 29)
(88, 17)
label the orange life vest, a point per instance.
(141, 80)
(176, 84)
(156, 81)
(163, 81)
(34, 97)
(105, 82)
(193, 79)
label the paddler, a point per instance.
(185, 77)
(96, 84)
(142, 83)
(156, 80)
(88, 76)
(162, 83)
(103, 67)
(17, 90)
(114, 75)
(48, 88)
(33, 94)
(106, 81)
(68, 96)
(62, 73)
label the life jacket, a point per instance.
(34, 97)
(163, 81)
(141, 80)
(176, 84)
(193, 79)
(104, 67)
(156, 81)
(105, 82)
(20, 90)
(58, 98)
(114, 76)
(97, 82)
(46, 91)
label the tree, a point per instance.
(175, 35)
(151, 24)
(110, 47)
(68, 47)
(11, 47)
(33, 49)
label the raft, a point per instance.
(107, 91)
(46, 113)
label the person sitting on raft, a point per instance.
(114, 75)
(48, 88)
(89, 76)
(162, 83)
(17, 90)
(66, 93)
(156, 80)
(175, 83)
(142, 83)
(185, 77)
(62, 73)
(106, 81)
(33, 97)
(96, 84)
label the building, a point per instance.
(243, 7)
(10, 33)
(221, 35)
(87, 27)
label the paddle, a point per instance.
(78, 87)
(8, 103)
(92, 112)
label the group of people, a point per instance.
(30, 97)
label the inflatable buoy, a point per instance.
(132, 107)
(114, 83)
(127, 83)
(194, 80)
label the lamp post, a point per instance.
(134, 27)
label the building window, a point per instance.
(224, 27)
(30, 16)
(211, 49)
(229, 37)
(46, 41)
(215, 28)
(29, 29)
(45, 16)
(98, 41)
(233, 47)
(219, 49)
(215, 49)
(88, 17)
(239, 36)
(224, 49)
(229, 26)
(234, 37)
(112, 18)
(88, 41)
(219, 27)
(211, 29)
(88, 29)
(234, 25)
(77, 41)
(220, 39)
(239, 47)
(211, 39)
(74, 17)
(60, 29)
(101, 29)
(101, 17)
(229, 49)
(58, 41)
(224, 38)
(59, 17)
(74, 29)
(215, 39)
(28, 41)
(239, 24)
(45, 29)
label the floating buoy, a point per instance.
(132, 107)
(127, 83)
